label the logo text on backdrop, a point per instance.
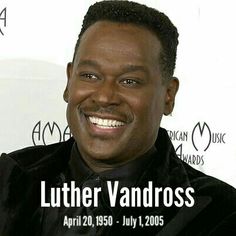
(3, 20)
(199, 139)
(50, 132)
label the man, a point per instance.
(120, 83)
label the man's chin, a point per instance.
(105, 156)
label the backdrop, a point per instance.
(37, 40)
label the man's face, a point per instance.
(115, 93)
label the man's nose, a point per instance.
(106, 94)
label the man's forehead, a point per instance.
(114, 37)
(102, 25)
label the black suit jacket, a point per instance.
(21, 172)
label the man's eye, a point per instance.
(87, 76)
(130, 82)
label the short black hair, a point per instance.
(141, 15)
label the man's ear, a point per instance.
(172, 87)
(69, 74)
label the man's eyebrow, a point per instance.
(88, 63)
(125, 68)
(132, 68)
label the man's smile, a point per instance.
(105, 123)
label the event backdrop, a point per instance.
(37, 40)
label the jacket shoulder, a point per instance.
(30, 157)
(222, 194)
(203, 181)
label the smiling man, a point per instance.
(119, 173)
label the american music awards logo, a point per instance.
(201, 138)
(49, 132)
(3, 20)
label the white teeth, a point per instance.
(105, 123)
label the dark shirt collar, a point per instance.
(127, 174)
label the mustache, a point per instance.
(111, 109)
